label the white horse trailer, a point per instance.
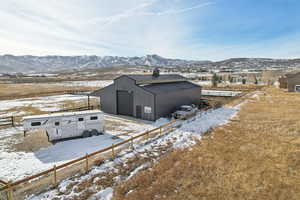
(67, 125)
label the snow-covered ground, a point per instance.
(186, 135)
(203, 83)
(47, 103)
(7, 137)
(223, 93)
(15, 165)
(99, 83)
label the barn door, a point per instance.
(138, 111)
(124, 103)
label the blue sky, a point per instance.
(190, 29)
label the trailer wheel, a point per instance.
(95, 132)
(86, 133)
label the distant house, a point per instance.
(291, 81)
(147, 97)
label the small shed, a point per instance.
(147, 97)
(291, 81)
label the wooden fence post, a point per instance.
(55, 177)
(86, 163)
(131, 142)
(9, 191)
(12, 121)
(113, 151)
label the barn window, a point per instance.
(80, 119)
(56, 123)
(35, 123)
(94, 118)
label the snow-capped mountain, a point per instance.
(10, 63)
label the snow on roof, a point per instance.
(64, 114)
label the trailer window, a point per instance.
(80, 119)
(56, 123)
(35, 123)
(94, 118)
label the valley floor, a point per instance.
(257, 156)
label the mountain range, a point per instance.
(28, 63)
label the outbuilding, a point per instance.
(291, 81)
(147, 97)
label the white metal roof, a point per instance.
(64, 114)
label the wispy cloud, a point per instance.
(195, 29)
(140, 10)
(181, 10)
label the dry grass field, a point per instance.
(256, 156)
(13, 91)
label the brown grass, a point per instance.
(68, 104)
(255, 157)
(12, 91)
(33, 141)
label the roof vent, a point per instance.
(155, 73)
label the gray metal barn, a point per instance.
(147, 97)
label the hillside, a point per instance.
(10, 63)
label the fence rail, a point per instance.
(78, 109)
(85, 158)
(15, 120)
(7, 121)
(110, 151)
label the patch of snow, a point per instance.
(202, 83)
(187, 134)
(223, 93)
(99, 84)
(137, 170)
(201, 123)
(7, 137)
(10, 131)
(47, 103)
(15, 165)
(105, 194)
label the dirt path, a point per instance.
(257, 156)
